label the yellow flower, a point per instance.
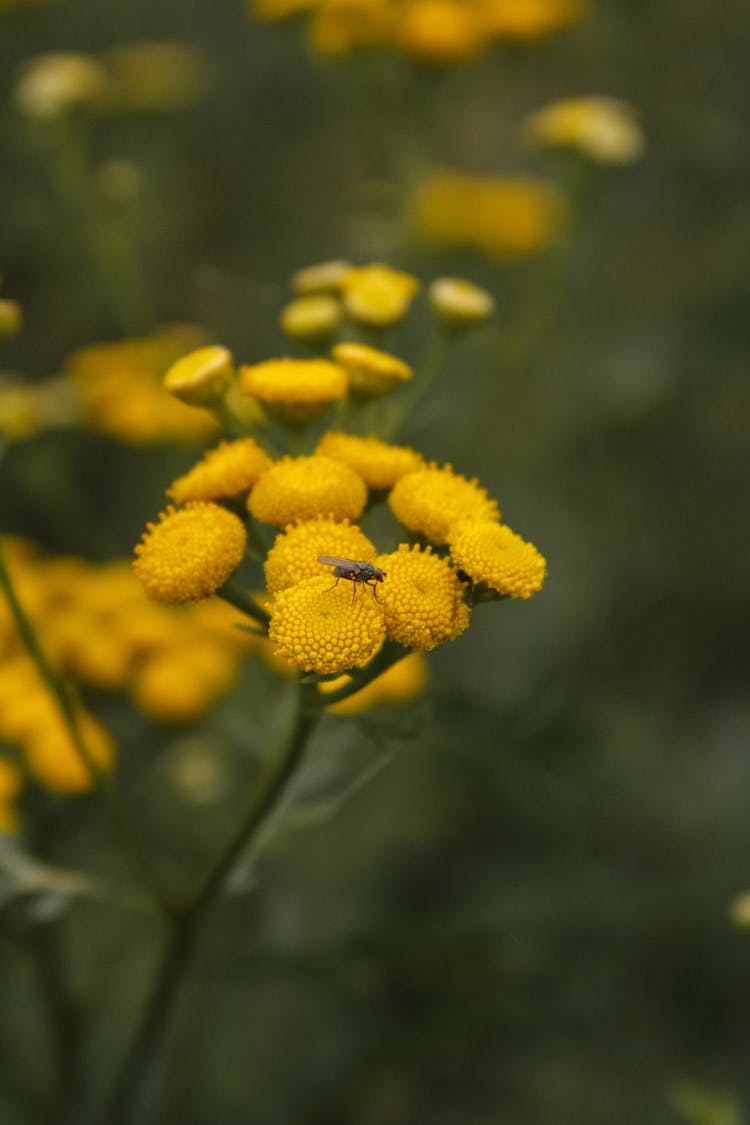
(295, 390)
(492, 554)
(202, 377)
(52, 756)
(532, 19)
(422, 598)
(372, 373)
(460, 302)
(604, 129)
(324, 277)
(339, 26)
(178, 684)
(229, 470)
(398, 684)
(302, 488)
(430, 500)
(320, 629)
(441, 31)
(10, 318)
(294, 555)
(378, 295)
(54, 84)
(379, 464)
(190, 553)
(311, 317)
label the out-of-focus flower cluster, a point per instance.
(440, 32)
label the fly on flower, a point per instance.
(354, 571)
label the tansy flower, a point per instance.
(441, 31)
(190, 553)
(398, 684)
(229, 470)
(294, 555)
(202, 377)
(302, 488)
(54, 84)
(371, 372)
(10, 318)
(422, 598)
(604, 129)
(531, 19)
(295, 390)
(318, 629)
(324, 277)
(492, 554)
(460, 302)
(311, 317)
(379, 464)
(54, 760)
(431, 499)
(378, 295)
(339, 26)
(180, 683)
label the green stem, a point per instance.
(413, 392)
(131, 846)
(389, 655)
(271, 784)
(242, 601)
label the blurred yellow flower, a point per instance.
(421, 597)
(460, 302)
(178, 684)
(295, 390)
(202, 377)
(303, 488)
(231, 469)
(11, 783)
(323, 277)
(604, 129)
(52, 85)
(400, 683)
(10, 318)
(379, 464)
(492, 554)
(532, 19)
(372, 372)
(190, 553)
(430, 500)
(339, 26)
(54, 760)
(320, 629)
(441, 31)
(294, 555)
(311, 317)
(378, 295)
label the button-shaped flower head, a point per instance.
(296, 391)
(189, 553)
(230, 469)
(379, 464)
(422, 598)
(320, 628)
(431, 499)
(294, 555)
(492, 554)
(302, 488)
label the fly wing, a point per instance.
(334, 560)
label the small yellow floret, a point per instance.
(492, 554)
(401, 682)
(311, 317)
(379, 464)
(604, 129)
(372, 372)
(430, 500)
(320, 629)
(54, 760)
(201, 378)
(229, 470)
(295, 390)
(294, 555)
(54, 84)
(190, 553)
(421, 597)
(532, 19)
(10, 318)
(378, 295)
(339, 26)
(303, 488)
(323, 277)
(441, 31)
(460, 302)
(180, 683)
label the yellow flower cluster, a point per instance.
(603, 129)
(439, 32)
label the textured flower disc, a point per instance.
(303, 488)
(319, 629)
(295, 390)
(229, 470)
(492, 554)
(379, 464)
(422, 598)
(378, 295)
(431, 499)
(190, 553)
(294, 555)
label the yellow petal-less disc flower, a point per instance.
(340, 26)
(372, 373)
(323, 277)
(400, 683)
(294, 555)
(460, 302)
(202, 377)
(54, 84)
(379, 464)
(10, 318)
(295, 390)
(321, 629)
(532, 19)
(179, 684)
(422, 598)
(311, 317)
(53, 759)
(378, 295)
(190, 553)
(604, 129)
(431, 499)
(441, 31)
(303, 488)
(492, 554)
(230, 469)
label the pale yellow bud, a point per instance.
(311, 317)
(321, 278)
(460, 302)
(202, 377)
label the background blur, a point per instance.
(524, 918)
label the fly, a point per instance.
(354, 571)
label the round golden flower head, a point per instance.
(230, 469)
(325, 277)
(431, 499)
(320, 629)
(54, 84)
(295, 391)
(178, 684)
(202, 377)
(54, 760)
(340, 26)
(10, 318)
(302, 488)
(460, 302)
(532, 19)
(378, 295)
(604, 129)
(492, 554)
(379, 464)
(312, 317)
(400, 683)
(294, 555)
(371, 372)
(441, 31)
(190, 553)
(422, 598)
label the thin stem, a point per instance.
(389, 655)
(132, 848)
(242, 601)
(271, 784)
(423, 376)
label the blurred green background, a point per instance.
(524, 918)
